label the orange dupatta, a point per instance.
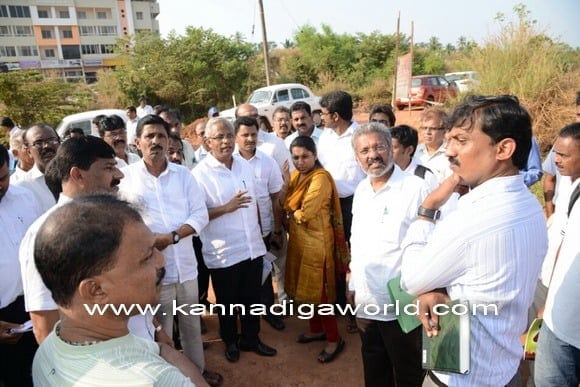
(294, 202)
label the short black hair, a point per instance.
(499, 117)
(338, 101)
(4, 156)
(246, 121)
(89, 231)
(109, 123)
(406, 136)
(301, 105)
(132, 109)
(151, 119)
(7, 122)
(572, 131)
(385, 109)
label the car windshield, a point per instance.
(416, 82)
(260, 96)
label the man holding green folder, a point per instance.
(489, 250)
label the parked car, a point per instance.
(465, 80)
(84, 121)
(427, 90)
(267, 99)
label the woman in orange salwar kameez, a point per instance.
(316, 246)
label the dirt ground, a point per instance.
(295, 364)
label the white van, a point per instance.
(84, 121)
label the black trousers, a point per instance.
(390, 356)
(346, 209)
(16, 359)
(202, 272)
(238, 284)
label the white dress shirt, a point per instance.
(562, 190)
(336, 155)
(429, 178)
(562, 303)
(438, 163)
(19, 174)
(131, 157)
(131, 130)
(168, 201)
(34, 181)
(143, 111)
(379, 223)
(316, 133)
(269, 181)
(235, 236)
(274, 147)
(18, 210)
(488, 251)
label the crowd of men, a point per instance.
(142, 215)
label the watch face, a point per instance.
(175, 237)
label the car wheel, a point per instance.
(402, 107)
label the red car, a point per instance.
(427, 90)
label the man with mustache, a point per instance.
(112, 130)
(174, 209)
(41, 142)
(490, 249)
(81, 166)
(431, 151)
(385, 204)
(122, 267)
(281, 118)
(303, 123)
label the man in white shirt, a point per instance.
(336, 155)
(303, 123)
(431, 151)
(41, 143)
(132, 120)
(558, 352)
(269, 181)
(173, 208)
(122, 268)
(489, 250)
(112, 130)
(81, 166)
(173, 118)
(385, 204)
(268, 143)
(233, 248)
(17, 211)
(24, 162)
(144, 109)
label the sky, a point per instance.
(445, 19)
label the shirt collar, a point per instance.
(395, 180)
(493, 186)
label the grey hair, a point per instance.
(372, 127)
(212, 123)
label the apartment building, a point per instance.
(73, 38)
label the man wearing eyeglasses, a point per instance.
(281, 117)
(112, 131)
(431, 151)
(41, 142)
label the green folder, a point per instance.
(408, 322)
(449, 350)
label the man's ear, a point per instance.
(76, 175)
(505, 149)
(91, 292)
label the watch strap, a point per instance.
(431, 214)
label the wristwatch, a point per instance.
(431, 214)
(175, 236)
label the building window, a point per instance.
(67, 34)
(87, 30)
(81, 15)
(139, 15)
(19, 11)
(46, 34)
(49, 53)
(5, 31)
(90, 49)
(108, 30)
(71, 51)
(7, 51)
(101, 15)
(43, 14)
(28, 51)
(3, 11)
(64, 14)
(107, 49)
(23, 31)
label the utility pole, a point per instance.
(394, 96)
(265, 43)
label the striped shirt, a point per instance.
(488, 251)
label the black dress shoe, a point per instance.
(260, 348)
(232, 352)
(325, 357)
(275, 322)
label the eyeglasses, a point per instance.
(326, 113)
(228, 136)
(377, 148)
(282, 120)
(39, 144)
(384, 122)
(428, 128)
